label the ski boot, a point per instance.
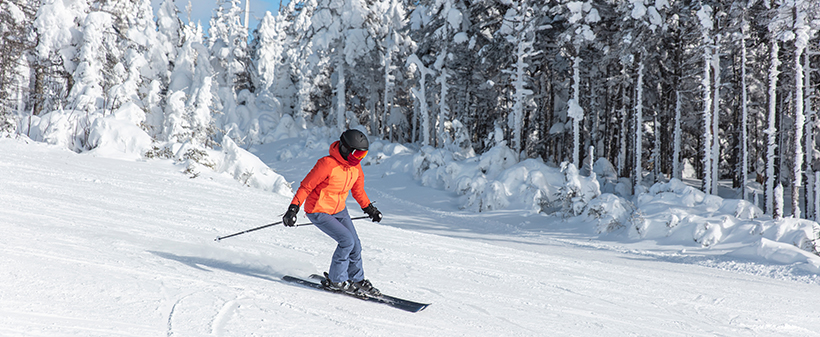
(336, 286)
(365, 288)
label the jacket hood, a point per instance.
(334, 152)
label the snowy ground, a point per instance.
(93, 246)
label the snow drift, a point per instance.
(670, 213)
(118, 135)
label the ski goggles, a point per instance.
(358, 154)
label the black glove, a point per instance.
(373, 213)
(290, 216)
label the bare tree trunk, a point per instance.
(639, 126)
(676, 169)
(811, 120)
(744, 138)
(341, 93)
(799, 124)
(771, 131)
(706, 83)
(575, 120)
(716, 118)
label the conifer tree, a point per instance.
(268, 49)
(228, 41)
(396, 47)
(15, 43)
(520, 30)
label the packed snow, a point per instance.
(105, 244)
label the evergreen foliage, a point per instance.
(656, 87)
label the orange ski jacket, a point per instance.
(326, 186)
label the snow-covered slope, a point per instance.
(93, 246)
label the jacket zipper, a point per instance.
(347, 180)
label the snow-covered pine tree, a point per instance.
(202, 98)
(428, 23)
(480, 53)
(744, 123)
(181, 84)
(771, 131)
(734, 29)
(169, 42)
(520, 31)
(639, 124)
(451, 37)
(147, 52)
(778, 25)
(641, 21)
(54, 59)
(191, 93)
(451, 18)
(811, 124)
(367, 47)
(415, 64)
(389, 68)
(339, 37)
(801, 40)
(169, 24)
(267, 50)
(396, 46)
(16, 42)
(94, 73)
(435, 23)
(707, 25)
(295, 79)
(580, 33)
(174, 123)
(228, 41)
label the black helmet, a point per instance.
(354, 140)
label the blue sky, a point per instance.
(201, 10)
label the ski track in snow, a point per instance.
(223, 316)
(104, 247)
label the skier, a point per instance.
(324, 191)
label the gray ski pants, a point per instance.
(347, 259)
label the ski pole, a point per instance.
(273, 224)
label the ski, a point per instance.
(395, 302)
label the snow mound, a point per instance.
(670, 213)
(609, 213)
(60, 127)
(231, 160)
(118, 135)
(676, 214)
(780, 252)
(248, 169)
(495, 180)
